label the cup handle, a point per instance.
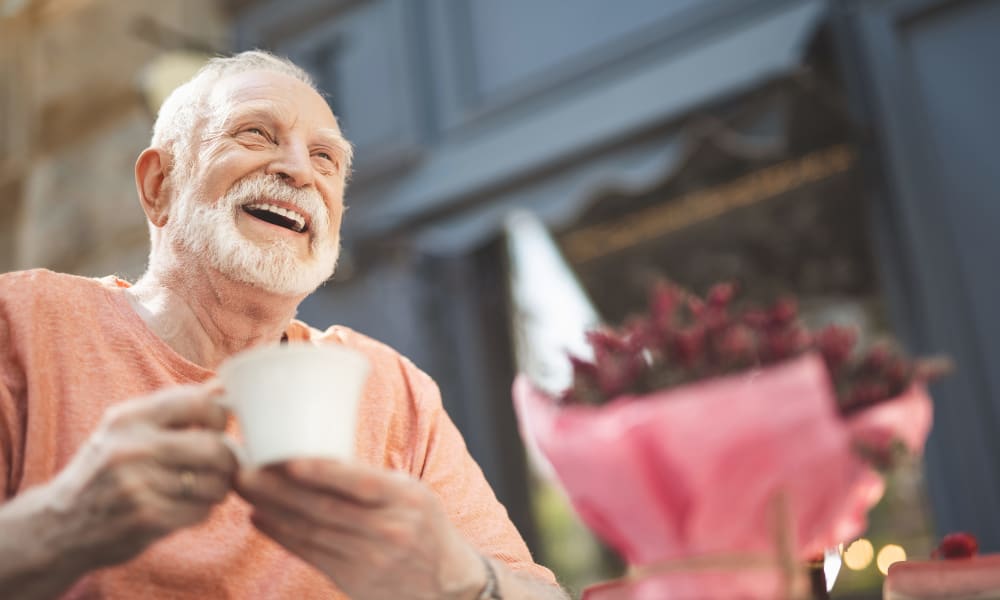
(223, 400)
(234, 446)
(238, 451)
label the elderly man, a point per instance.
(116, 478)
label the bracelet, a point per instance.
(491, 591)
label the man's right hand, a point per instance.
(154, 465)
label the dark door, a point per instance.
(925, 79)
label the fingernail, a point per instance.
(303, 467)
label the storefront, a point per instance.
(839, 151)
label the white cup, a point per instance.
(297, 400)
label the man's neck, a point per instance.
(206, 317)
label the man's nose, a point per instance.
(293, 165)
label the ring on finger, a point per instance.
(187, 483)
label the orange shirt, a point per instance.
(70, 347)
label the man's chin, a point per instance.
(297, 285)
(288, 280)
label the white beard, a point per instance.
(209, 230)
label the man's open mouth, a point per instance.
(276, 215)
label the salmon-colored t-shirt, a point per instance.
(70, 347)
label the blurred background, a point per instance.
(528, 167)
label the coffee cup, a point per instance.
(296, 400)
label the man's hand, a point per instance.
(153, 466)
(377, 534)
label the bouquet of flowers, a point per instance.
(717, 449)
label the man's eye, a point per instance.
(257, 131)
(328, 161)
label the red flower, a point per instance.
(878, 358)
(639, 334)
(897, 373)
(737, 346)
(758, 319)
(696, 307)
(616, 374)
(784, 343)
(582, 368)
(684, 338)
(836, 343)
(721, 295)
(864, 394)
(783, 312)
(606, 342)
(688, 346)
(957, 545)
(663, 301)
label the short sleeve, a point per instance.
(10, 415)
(450, 470)
(6, 443)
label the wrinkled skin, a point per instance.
(122, 491)
(356, 524)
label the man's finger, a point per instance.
(363, 484)
(181, 406)
(164, 514)
(310, 544)
(186, 485)
(274, 492)
(193, 449)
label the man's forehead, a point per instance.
(271, 94)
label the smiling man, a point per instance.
(116, 478)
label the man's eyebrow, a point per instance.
(337, 142)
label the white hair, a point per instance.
(177, 119)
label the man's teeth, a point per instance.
(300, 222)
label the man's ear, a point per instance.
(151, 170)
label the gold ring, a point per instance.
(187, 483)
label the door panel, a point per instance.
(924, 77)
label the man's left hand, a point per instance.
(376, 533)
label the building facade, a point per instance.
(830, 149)
(840, 150)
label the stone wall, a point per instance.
(74, 118)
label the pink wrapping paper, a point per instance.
(744, 584)
(907, 418)
(694, 471)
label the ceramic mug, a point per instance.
(296, 400)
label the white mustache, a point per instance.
(257, 188)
